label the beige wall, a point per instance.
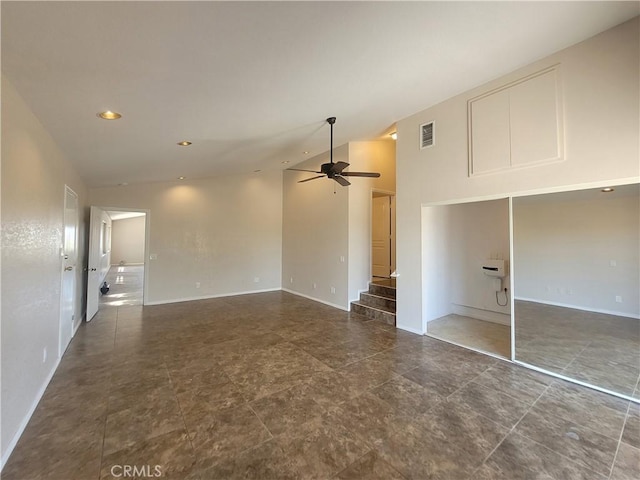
(327, 227)
(34, 173)
(315, 233)
(564, 246)
(127, 240)
(223, 233)
(601, 123)
(380, 157)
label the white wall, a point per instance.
(127, 240)
(315, 233)
(478, 231)
(34, 173)
(600, 83)
(436, 263)
(320, 227)
(222, 232)
(564, 247)
(457, 239)
(379, 157)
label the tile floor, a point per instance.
(473, 333)
(274, 386)
(595, 348)
(125, 286)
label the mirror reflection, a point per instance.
(577, 285)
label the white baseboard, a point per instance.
(409, 329)
(486, 315)
(14, 441)
(578, 307)
(207, 297)
(335, 305)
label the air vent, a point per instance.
(426, 135)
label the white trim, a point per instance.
(578, 307)
(480, 314)
(335, 305)
(484, 352)
(409, 329)
(14, 441)
(573, 380)
(355, 300)
(206, 297)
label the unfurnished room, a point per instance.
(320, 240)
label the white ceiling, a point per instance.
(251, 83)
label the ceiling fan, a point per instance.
(335, 170)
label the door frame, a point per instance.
(392, 246)
(61, 323)
(147, 236)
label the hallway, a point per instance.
(126, 284)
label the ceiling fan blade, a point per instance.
(339, 166)
(342, 181)
(301, 170)
(309, 179)
(361, 174)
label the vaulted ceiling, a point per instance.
(251, 83)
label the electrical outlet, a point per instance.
(153, 256)
(197, 284)
(256, 279)
(341, 258)
(613, 263)
(314, 286)
(291, 280)
(44, 354)
(619, 298)
(333, 290)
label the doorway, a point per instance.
(117, 242)
(69, 270)
(383, 236)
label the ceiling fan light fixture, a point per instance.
(181, 178)
(109, 115)
(184, 143)
(334, 170)
(607, 190)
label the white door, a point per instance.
(99, 257)
(69, 267)
(381, 236)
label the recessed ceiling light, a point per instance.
(394, 135)
(257, 171)
(184, 143)
(181, 178)
(607, 190)
(123, 184)
(285, 161)
(109, 115)
(306, 152)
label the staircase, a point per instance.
(379, 303)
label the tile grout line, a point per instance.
(106, 413)
(615, 456)
(513, 427)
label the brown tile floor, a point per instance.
(273, 386)
(473, 333)
(595, 348)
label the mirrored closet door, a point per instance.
(577, 284)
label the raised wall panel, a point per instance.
(489, 133)
(534, 119)
(517, 125)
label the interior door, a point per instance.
(69, 267)
(99, 257)
(381, 236)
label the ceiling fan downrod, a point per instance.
(331, 121)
